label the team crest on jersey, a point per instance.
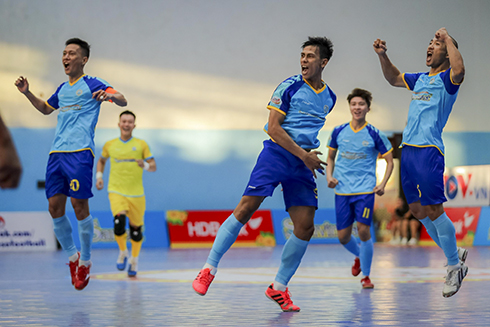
(326, 109)
(276, 100)
(134, 148)
(365, 143)
(432, 80)
(79, 92)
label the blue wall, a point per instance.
(196, 169)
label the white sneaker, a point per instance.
(395, 240)
(122, 259)
(133, 267)
(454, 278)
(413, 241)
(462, 254)
(404, 241)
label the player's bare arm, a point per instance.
(390, 72)
(380, 189)
(279, 135)
(331, 181)
(99, 184)
(116, 97)
(151, 164)
(455, 58)
(23, 87)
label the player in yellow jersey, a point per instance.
(129, 157)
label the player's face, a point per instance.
(311, 64)
(73, 60)
(126, 124)
(358, 108)
(436, 53)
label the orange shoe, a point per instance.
(356, 267)
(83, 277)
(73, 269)
(366, 282)
(281, 298)
(202, 281)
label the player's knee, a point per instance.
(119, 225)
(136, 233)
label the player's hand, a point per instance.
(332, 182)
(10, 167)
(380, 47)
(312, 161)
(99, 184)
(101, 95)
(140, 162)
(441, 34)
(22, 84)
(379, 190)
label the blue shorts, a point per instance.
(422, 175)
(70, 173)
(350, 208)
(277, 165)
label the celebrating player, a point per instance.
(354, 179)
(422, 162)
(71, 159)
(129, 157)
(298, 109)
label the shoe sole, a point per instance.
(79, 289)
(280, 305)
(465, 272)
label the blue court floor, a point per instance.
(35, 290)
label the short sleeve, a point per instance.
(450, 86)
(146, 151)
(53, 101)
(281, 98)
(105, 150)
(410, 79)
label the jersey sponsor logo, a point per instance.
(79, 92)
(353, 155)
(422, 96)
(72, 107)
(307, 103)
(311, 115)
(276, 100)
(74, 185)
(124, 160)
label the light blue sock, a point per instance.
(226, 236)
(86, 233)
(447, 237)
(366, 256)
(63, 232)
(431, 230)
(292, 253)
(352, 246)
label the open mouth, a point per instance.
(429, 56)
(304, 70)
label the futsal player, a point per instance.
(10, 166)
(71, 158)
(353, 175)
(422, 162)
(129, 157)
(298, 109)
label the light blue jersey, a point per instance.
(433, 98)
(305, 109)
(78, 114)
(357, 151)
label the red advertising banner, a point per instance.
(465, 221)
(190, 229)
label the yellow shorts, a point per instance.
(135, 207)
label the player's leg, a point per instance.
(137, 207)
(226, 236)
(363, 208)
(119, 209)
(344, 220)
(56, 191)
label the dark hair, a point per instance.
(127, 112)
(366, 95)
(323, 43)
(83, 44)
(454, 41)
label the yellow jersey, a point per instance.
(126, 177)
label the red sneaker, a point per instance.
(281, 298)
(366, 282)
(83, 276)
(356, 267)
(202, 281)
(73, 269)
